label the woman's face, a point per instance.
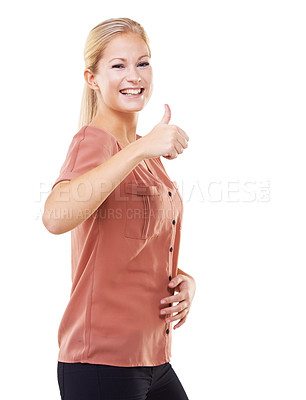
(125, 64)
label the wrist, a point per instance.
(139, 149)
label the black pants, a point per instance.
(83, 381)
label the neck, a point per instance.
(120, 124)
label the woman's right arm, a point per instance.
(72, 202)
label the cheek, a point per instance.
(148, 75)
(112, 82)
(148, 78)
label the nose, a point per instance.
(133, 75)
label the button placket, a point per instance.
(170, 277)
(172, 235)
(171, 249)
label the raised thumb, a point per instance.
(167, 115)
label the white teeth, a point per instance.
(131, 91)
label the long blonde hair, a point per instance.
(96, 42)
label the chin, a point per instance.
(132, 108)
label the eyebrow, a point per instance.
(123, 59)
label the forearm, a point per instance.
(71, 203)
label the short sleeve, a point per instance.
(89, 148)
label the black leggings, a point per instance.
(83, 381)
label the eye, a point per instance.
(121, 65)
(144, 63)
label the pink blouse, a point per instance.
(122, 258)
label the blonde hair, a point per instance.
(95, 45)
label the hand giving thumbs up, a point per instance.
(165, 140)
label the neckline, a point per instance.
(120, 145)
(147, 169)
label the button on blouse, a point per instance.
(122, 259)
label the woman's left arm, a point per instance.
(185, 285)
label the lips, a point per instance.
(141, 89)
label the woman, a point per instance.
(125, 217)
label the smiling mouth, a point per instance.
(133, 94)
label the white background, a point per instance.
(233, 73)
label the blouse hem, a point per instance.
(120, 364)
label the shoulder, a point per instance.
(93, 135)
(93, 139)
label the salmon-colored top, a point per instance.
(123, 257)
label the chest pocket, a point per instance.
(142, 205)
